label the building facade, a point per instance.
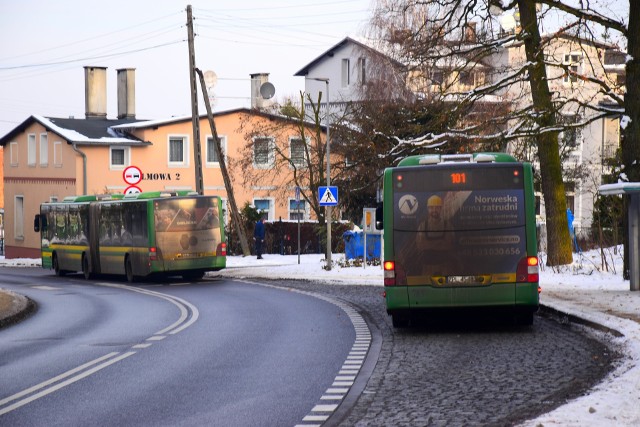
(572, 63)
(48, 159)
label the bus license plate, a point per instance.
(461, 280)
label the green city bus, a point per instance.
(135, 235)
(459, 232)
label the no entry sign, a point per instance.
(132, 175)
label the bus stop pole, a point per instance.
(634, 241)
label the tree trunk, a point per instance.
(631, 133)
(558, 239)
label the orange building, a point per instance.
(48, 159)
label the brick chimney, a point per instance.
(95, 92)
(126, 93)
(257, 99)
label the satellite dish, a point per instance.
(507, 22)
(267, 90)
(210, 78)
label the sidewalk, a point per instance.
(580, 292)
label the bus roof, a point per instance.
(159, 194)
(135, 196)
(434, 159)
(91, 198)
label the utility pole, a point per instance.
(195, 119)
(235, 214)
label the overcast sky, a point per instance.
(45, 45)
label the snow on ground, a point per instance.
(585, 289)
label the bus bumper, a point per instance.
(502, 294)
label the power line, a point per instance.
(84, 40)
(46, 64)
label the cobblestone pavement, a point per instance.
(455, 374)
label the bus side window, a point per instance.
(40, 222)
(379, 214)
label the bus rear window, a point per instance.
(452, 221)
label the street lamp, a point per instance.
(328, 208)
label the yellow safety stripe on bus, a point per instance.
(481, 279)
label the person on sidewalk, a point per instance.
(258, 236)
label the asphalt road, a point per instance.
(280, 354)
(454, 371)
(211, 353)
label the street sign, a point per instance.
(132, 175)
(132, 189)
(328, 196)
(297, 194)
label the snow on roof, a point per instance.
(72, 135)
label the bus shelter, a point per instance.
(632, 190)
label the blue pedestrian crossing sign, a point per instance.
(328, 196)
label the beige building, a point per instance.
(48, 159)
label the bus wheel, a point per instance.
(56, 266)
(399, 320)
(86, 271)
(128, 270)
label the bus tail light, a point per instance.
(389, 273)
(221, 250)
(153, 254)
(528, 270)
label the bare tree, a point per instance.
(464, 39)
(297, 140)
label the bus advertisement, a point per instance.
(460, 232)
(136, 235)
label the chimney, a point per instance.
(95, 92)
(126, 93)
(258, 100)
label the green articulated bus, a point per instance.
(136, 235)
(460, 232)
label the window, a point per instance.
(570, 193)
(345, 73)
(573, 63)
(44, 150)
(13, 153)
(362, 76)
(118, 157)
(437, 77)
(57, 154)
(264, 206)
(297, 152)
(31, 150)
(18, 226)
(263, 152)
(212, 154)
(178, 151)
(297, 211)
(571, 137)
(466, 78)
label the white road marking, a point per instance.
(65, 383)
(85, 370)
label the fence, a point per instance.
(281, 237)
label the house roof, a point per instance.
(80, 131)
(157, 123)
(114, 132)
(331, 51)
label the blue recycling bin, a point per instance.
(373, 246)
(354, 245)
